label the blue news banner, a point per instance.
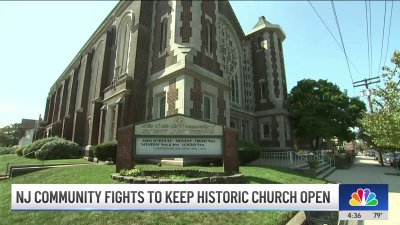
(363, 201)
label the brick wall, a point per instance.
(150, 104)
(186, 17)
(274, 134)
(134, 108)
(283, 74)
(56, 105)
(260, 71)
(196, 96)
(231, 147)
(80, 128)
(172, 97)
(208, 63)
(160, 63)
(221, 105)
(124, 148)
(51, 109)
(274, 64)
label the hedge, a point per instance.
(7, 150)
(35, 146)
(20, 151)
(248, 152)
(344, 161)
(58, 149)
(106, 151)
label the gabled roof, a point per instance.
(28, 123)
(263, 24)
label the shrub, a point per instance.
(29, 150)
(58, 149)
(20, 151)
(313, 164)
(7, 150)
(248, 152)
(344, 161)
(131, 172)
(106, 151)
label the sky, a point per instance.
(40, 38)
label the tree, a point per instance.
(382, 126)
(10, 135)
(319, 109)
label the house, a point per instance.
(30, 128)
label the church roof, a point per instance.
(265, 24)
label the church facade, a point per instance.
(152, 59)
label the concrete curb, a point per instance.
(298, 219)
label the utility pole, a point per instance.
(365, 83)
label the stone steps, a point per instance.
(323, 170)
(326, 173)
(322, 167)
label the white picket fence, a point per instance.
(292, 159)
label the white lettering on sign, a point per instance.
(165, 146)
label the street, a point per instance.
(366, 170)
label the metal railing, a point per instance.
(293, 159)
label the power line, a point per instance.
(390, 25)
(341, 38)
(366, 19)
(333, 36)
(383, 37)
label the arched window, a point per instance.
(207, 108)
(230, 58)
(162, 107)
(208, 40)
(266, 131)
(163, 35)
(96, 72)
(263, 90)
(234, 89)
(260, 43)
(113, 124)
(124, 35)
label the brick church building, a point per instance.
(152, 59)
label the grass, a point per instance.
(13, 159)
(100, 174)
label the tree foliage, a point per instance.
(319, 109)
(10, 135)
(382, 126)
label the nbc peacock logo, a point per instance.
(363, 197)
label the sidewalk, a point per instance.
(368, 171)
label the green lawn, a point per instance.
(100, 174)
(13, 159)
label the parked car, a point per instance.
(386, 157)
(370, 152)
(394, 159)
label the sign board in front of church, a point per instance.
(178, 136)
